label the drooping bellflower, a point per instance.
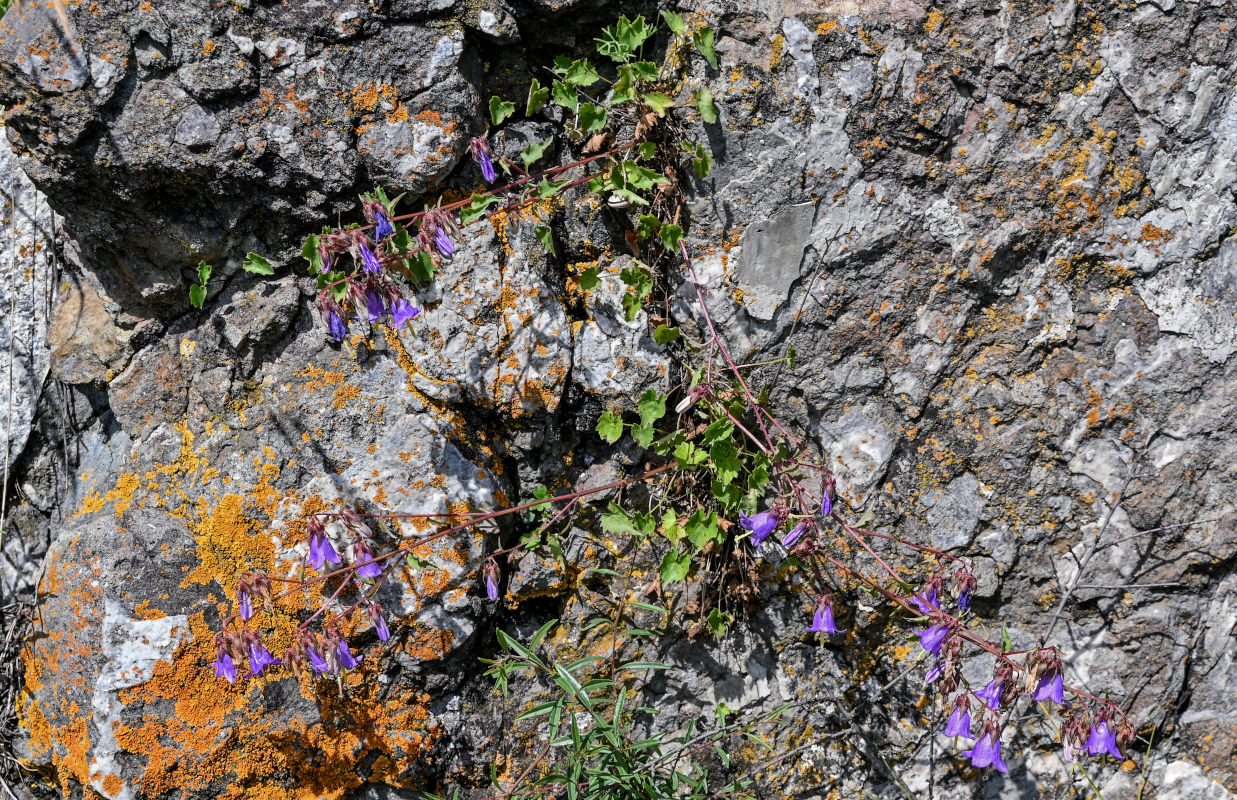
(260, 658)
(321, 551)
(826, 504)
(382, 227)
(374, 305)
(346, 659)
(822, 620)
(380, 622)
(403, 312)
(370, 570)
(1103, 740)
(369, 261)
(1051, 687)
(991, 694)
(442, 240)
(935, 673)
(959, 723)
(481, 154)
(246, 604)
(933, 638)
(490, 573)
(335, 324)
(987, 752)
(225, 667)
(791, 538)
(927, 601)
(760, 525)
(319, 663)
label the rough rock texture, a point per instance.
(27, 290)
(999, 237)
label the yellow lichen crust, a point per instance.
(183, 731)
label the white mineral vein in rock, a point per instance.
(131, 647)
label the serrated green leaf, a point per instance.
(581, 73)
(647, 225)
(704, 104)
(621, 40)
(631, 307)
(671, 528)
(624, 89)
(792, 356)
(257, 264)
(720, 431)
(477, 208)
(647, 149)
(703, 39)
(591, 118)
(670, 236)
(688, 456)
(658, 102)
(204, 269)
(674, 22)
(644, 71)
(538, 96)
(725, 462)
(638, 177)
(401, 242)
(421, 266)
(611, 46)
(197, 296)
(703, 164)
(500, 109)
(702, 528)
(549, 188)
(643, 434)
(590, 279)
(309, 252)
(619, 522)
(674, 567)
(529, 155)
(546, 237)
(652, 406)
(565, 95)
(665, 334)
(416, 562)
(637, 278)
(1006, 643)
(718, 622)
(610, 427)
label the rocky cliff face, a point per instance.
(1000, 238)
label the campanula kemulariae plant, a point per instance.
(729, 483)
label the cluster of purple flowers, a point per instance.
(327, 653)
(235, 647)
(761, 525)
(372, 284)
(1044, 683)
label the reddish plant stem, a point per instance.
(751, 400)
(408, 546)
(956, 625)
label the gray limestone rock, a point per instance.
(999, 238)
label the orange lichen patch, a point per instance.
(345, 395)
(1150, 233)
(228, 544)
(367, 96)
(122, 496)
(190, 730)
(144, 611)
(221, 731)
